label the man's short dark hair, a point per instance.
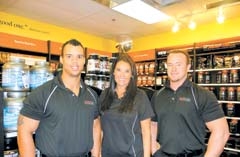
(73, 42)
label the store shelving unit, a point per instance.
(1, 125)
(213, 71)
(204, 57)
(46, 49)
(145, 64)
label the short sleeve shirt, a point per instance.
(181, 119)
(66, 120)
(122, 131)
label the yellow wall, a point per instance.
(17, 25)
(43, 31)
(207, 32)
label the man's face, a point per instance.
(177, 67)
(73, 60)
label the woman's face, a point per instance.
(122, 74)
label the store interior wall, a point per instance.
(207, 32)
(37, 30)
(16, 25)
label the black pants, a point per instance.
(194, 153)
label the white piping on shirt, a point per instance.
(92, 95)
(134, 152)
(45, 106)
(194, 98)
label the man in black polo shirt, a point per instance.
(182, 110)
(63, 113)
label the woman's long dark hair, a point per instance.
(129, 97)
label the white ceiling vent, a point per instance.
(166, 2)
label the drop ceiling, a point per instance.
(97, 18)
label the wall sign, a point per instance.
(22, 43)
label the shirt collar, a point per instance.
(186, 83)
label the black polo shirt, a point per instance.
(122, 134)
(181, 122)
(66, 120)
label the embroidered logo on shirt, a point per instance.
(88, 102)
(184, 99)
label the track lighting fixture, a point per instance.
(192, 25)
(220, 16)
(176, 27)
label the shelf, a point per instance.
(217, 69)
(237, 118)
(219, 51)
(235, 134)
(225, 101)
(163, 73)
(232, 149)
(219, 85)
(161, 58)
(146, 86)
(159, 85)
(10, 134)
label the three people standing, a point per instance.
(68, 119)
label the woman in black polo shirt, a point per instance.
(125, 113)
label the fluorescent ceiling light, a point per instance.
(141, 11)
